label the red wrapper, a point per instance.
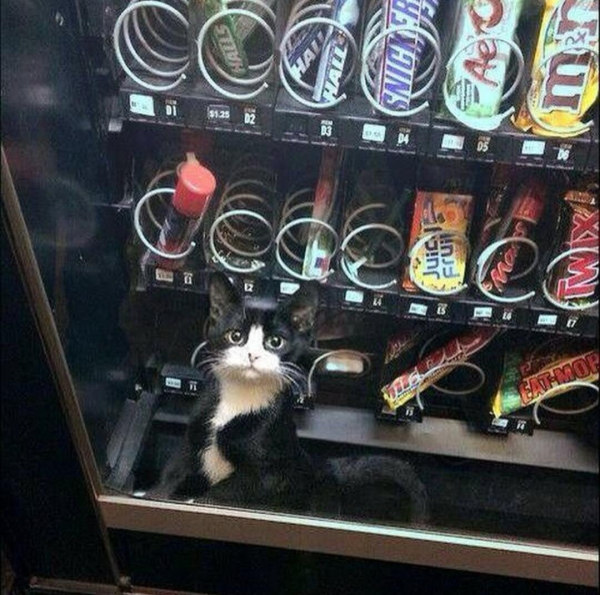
(575, 277)
(459, 349)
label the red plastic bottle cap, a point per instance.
(195, 186)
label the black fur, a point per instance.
(271, 468)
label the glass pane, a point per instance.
(402, 338)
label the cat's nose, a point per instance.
(253, 357)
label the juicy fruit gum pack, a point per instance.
(566, 86)
(440, 264)
(528, 376)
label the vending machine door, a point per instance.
(123, 323)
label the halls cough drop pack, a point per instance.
(564, 75)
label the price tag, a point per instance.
(533, 148)
(387, 413)
(418, 309)
(163, 276)
(354, 296)
(218, 113)
(482, 312)
(498, 425)
(141, 104)
(173, 382)
(547, 319)
(453, 142)
(374, 133)
(250, 116)
(288, 287)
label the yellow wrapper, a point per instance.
(564, 84)
(439, 265)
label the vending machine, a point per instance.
(319, 276)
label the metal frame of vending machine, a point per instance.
(61, 115)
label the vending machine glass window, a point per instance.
(319, 276)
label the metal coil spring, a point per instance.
(167, 176)
(161, 35)
(295, 220)
(311, 18)
(575, 304)
(371, 236)
(243, 13)
(427, 68)
(242, 230)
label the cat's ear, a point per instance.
(302, 307)
(223, 297)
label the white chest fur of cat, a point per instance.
(235, 399)
(239, 394)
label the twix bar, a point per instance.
(575, 277)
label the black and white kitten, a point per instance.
(241, 445)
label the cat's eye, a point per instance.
(275, 342)
(235, 337)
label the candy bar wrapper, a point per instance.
(319, 248)
(476, 78)
(336, 49)
(567, 86)
(441, 263)
(459, 349)
(245, 26)
(225, 41)
(575, 278)
(500, 188)
(520, 221)
(305, 47)
(528, 376)
(401, 52)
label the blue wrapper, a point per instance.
(305, 47)
(334, 55)
(402, 52)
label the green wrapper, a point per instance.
(226, 42)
